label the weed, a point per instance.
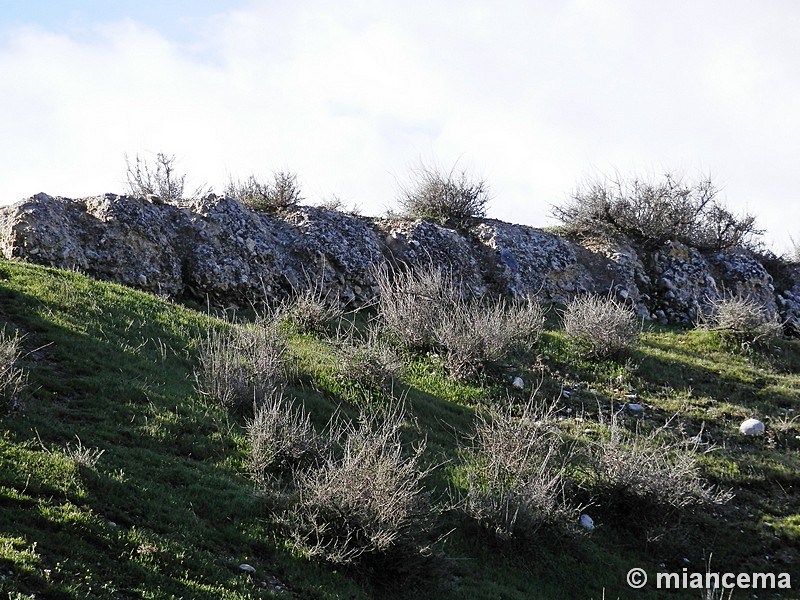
(83, 456)
(451, 199)
(745, 319)
(514, 472)
(412, 301)
(311, 310)
(241, 363)
(157, 178)
(371, 362)
(475, 335)
(281, 438)
(282, 193)
(604, 326)
(365, 499)
(630, 467)
(653, 212)
(13, 378)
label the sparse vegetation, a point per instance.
(346, 501)
(157, 178)
(602, 325)
(746, 319)
(366, 498)
(652, 212)
(514, 473)
(13, 378)
(282, 193)
(239, 365)
(453, 198)
(475, 335)
(631, 468)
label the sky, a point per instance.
(533, 96)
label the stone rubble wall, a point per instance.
(218, 250)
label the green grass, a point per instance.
(167, 511)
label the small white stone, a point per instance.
(587, 522)
(518, 383)
(752, 427)
(250, 570)
(633, 408)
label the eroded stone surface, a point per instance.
(215, 248)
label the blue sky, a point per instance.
(532, 95)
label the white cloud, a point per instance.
(533, 95)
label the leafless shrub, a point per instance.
(514, 472)
(157, 177)
(412, 301)
(282, 193)
(282, 439)
(312, 309)
(451, 199)
(365, 498)
(241, 363)
(747, 319)
(474, 335)
(83, 456)
(13, 378)
(629, 466)
(654, 212)
(604, 325)
(372, 362)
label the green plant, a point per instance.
(651, 212)
(514, 471)
(13, 378)
(282, 193)
(451, 199)
(601, 324)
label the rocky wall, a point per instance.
(217, 249)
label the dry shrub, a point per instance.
(746, 319)
(282, 193)
(312, 309)
(605, 326)
(514, 472)
(473, 336)
(365, 499)
(412, 301)
(653, 212)
(371, 362)
(630, 468)
(452, 199)
(13, 379)
(157, 177)
(241, 363)
(282, 439)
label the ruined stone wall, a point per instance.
(217, 249)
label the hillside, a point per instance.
(119, 480)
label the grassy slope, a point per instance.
(167, 511)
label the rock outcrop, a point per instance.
(217, 249)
